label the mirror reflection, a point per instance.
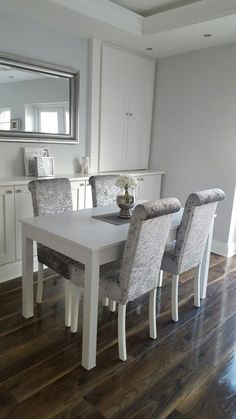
(34, 101)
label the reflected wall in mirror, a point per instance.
(37, 103)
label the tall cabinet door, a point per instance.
(113, 124)
(127, 85)
(7, 225)
(140, 103)
(23, 209)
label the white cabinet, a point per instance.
(23, 209)
(127, 84)
(78, 194)
(7, 225)
(149, 187)
(81, 195)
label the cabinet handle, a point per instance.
(130, 114)
(142, 178)
(7, 192)
(127, 113)
(18, 191)
(81, 184)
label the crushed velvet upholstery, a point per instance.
(187, 251)
(137, 272)
(53, 196)
(104, 190)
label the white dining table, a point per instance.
(89, 241)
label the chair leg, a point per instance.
(112, 306)
(197, 286)
(174, 298)
(152, 313)
(122, 332)
(39, 295)
(67, 302)
(160, 279)
(75, 300)
(105, 302)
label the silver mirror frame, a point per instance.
(74, 78)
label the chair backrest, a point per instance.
(104, 190)
(193, 231)
(144, 248)
(51, 196)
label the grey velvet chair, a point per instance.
(137, 272)
(186, 252)
(53, 196)
(104, 192)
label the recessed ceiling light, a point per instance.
(207, 35)
(149, 49)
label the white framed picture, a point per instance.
(29, 154)
(15, 124)
(44, 166)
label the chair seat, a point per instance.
(59, 263)
(109, 285)
(169, 260)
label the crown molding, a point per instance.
(106, 12)
(201, 11)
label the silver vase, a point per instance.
(125, 203)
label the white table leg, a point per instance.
(206, 263)
(27, 275)
(91, 287)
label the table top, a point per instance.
(80, 228)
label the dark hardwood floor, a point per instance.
(188, 372)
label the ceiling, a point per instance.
(151, 7)
(169, 31)
(10, 75)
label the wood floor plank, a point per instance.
(216, 396)
(81, 410)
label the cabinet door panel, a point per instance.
(149, 187)
(23, 209)
(88, 196)
(113, 108)
(140, 100)
(140, 84)
(78, 195)
(7, 225)
(137, 144)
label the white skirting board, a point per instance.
(224, 249)
(14, 270)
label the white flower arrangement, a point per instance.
(126, 182)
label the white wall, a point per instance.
(194, 127)
(33, 40)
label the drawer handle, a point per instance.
(7, 192)
(18, 191)
(81, 184)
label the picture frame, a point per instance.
(15, 124)
(29, 154)
(44, 166)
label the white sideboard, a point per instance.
(15, 204)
